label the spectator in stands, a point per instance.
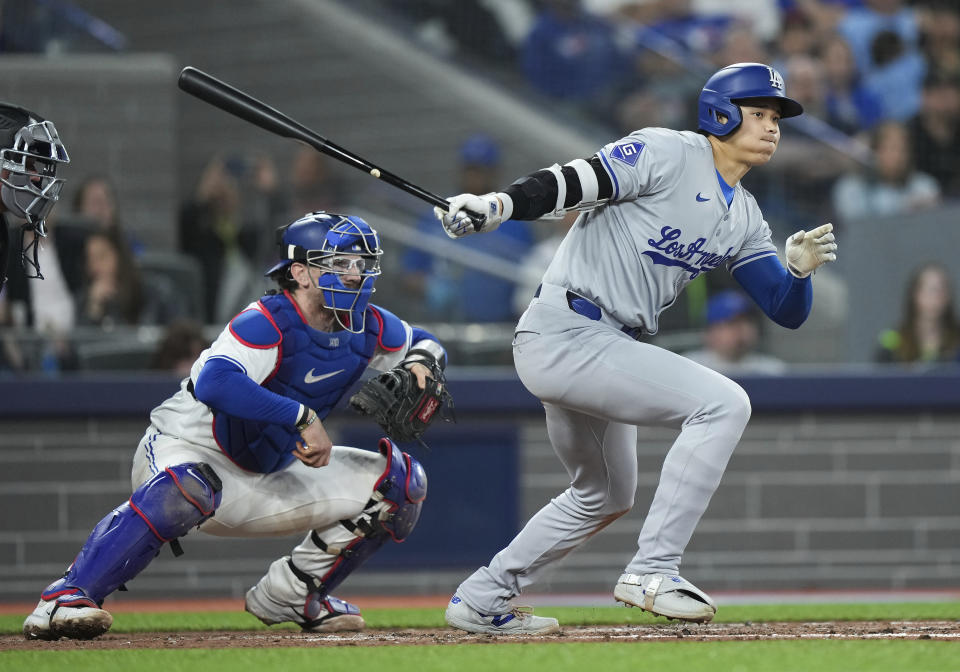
(95, 201)
(884, 38)
(849, 105)
(928, 330)
(731, 337)
(571, 55)
(892, 186)
(314, 186)
(214, 230)
(112, 293)
(935, 132)
(940, 28)
(178, 349)
(444, 291)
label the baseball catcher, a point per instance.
(405, 402)
(241, 450)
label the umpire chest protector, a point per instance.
(313, 367)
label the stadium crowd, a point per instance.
(879, 80)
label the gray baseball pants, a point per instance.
(597, 385)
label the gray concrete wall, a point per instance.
(808, 501)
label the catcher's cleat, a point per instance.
(74, 616)
(317, 614)
(665, 595)
(519, 621)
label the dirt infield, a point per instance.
(940, 630)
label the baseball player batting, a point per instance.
(240, 449)
(660, 208)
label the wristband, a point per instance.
(311, 418)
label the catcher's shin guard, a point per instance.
(393, 511)
(130, 536)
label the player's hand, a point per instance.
(314, 447)
(421, 372)
(458, 224)
(808, 250)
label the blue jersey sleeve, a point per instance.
(222, 385)
(785, 298)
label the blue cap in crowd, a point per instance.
(727, 305)
(480, 150)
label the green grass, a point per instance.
(764, 656)
(682, 656)
(433, 618)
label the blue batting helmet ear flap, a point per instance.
(737, 83)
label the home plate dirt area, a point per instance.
(939, 630)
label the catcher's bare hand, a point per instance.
(421, 372)
(314, 448)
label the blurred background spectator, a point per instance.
(731, 337)
(182, 342)
(95, 205)
(935, 131)
(884, 37)
(892, 186)
(440, 289)
(571, 55)
(928, 331)
(112, 293)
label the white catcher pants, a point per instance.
(296, 499)
(597, 385)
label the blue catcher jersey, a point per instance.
(273, 345)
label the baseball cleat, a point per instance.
(665, 595)
(71, 616)
(317, 614)
(519, 621)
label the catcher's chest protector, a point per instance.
(315, 368)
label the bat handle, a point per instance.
(478, 220)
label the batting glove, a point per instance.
(495, 207)
(808, 250)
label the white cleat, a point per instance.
(316, 614)
(73, 617)
(665, 595)
(519, 621)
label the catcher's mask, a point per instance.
(342, 247)
(30, 151)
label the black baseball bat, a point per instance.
(240, 104)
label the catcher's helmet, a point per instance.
(737, 83)
(339, 245)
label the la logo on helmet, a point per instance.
(776, 81)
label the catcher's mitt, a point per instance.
(402, 409)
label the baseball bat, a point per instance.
(240, 104)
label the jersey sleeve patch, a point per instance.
(391, 334)
(255, 330)
(627, 152)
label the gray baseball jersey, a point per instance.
(670, 225)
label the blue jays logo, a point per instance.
(627, 152)
(690, 256)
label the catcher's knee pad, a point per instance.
(392, 512)
(129, 537)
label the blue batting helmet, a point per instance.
(338, 245)
(735, 84)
